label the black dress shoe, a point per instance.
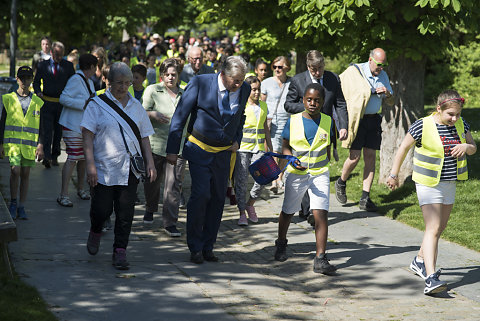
(196, 257)
(209, 256)
(54, 162)
(47, 163)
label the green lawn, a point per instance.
(19, 301)
(402, 204)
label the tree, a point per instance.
(78, 22)
(409, 31)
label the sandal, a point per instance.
(64, 201)
(83, 195)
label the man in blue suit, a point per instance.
(215, 104)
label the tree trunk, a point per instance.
(13, 37)
(407, 79)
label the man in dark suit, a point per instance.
(333, 91)
(54, 73)
(215, 104)
(334, 101)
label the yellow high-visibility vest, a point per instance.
(253, 130)
(21, 131)
(183, 84)
(428, 159)
(312, 157)
(132, 91)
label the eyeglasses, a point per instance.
(379, 64)
(277, 67)
(195, 59)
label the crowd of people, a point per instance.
(142, 110)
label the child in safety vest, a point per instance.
(307, 136)
(21, 141)
(255, 138)
(139, 75)
(442, 141)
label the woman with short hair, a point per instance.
(109, 142)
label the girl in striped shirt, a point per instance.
(442, 141)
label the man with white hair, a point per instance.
(195, 65)
(215, 104)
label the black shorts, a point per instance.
(369, 133)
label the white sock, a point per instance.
(419, 259)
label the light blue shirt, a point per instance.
(234, 98)
(375, 102)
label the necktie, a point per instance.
(226, 112)
(226, 101)
(55, 66)
(319, 80)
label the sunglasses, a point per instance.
(278, 67)
(379, 64)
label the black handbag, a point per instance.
(137, 162)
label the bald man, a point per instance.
(370, 79)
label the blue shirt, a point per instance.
(310, 127)
(381, 80)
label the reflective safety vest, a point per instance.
(313, 157)
(21, 131)
(132, 91)
(253, 130)
(183, 84)
(428, 159)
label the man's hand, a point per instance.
(172, 159)
(234, 147)
(383, 90)
(342, 134)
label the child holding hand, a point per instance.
(442, 141)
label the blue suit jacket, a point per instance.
(200, 102)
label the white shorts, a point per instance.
(443, 193)
(295, 187)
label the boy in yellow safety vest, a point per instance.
(307, 136)
(20, 139)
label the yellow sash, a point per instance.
(51, 99)
(213, 149)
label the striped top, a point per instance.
(450, 138)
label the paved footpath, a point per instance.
(372, 254)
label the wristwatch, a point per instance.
(393, 176)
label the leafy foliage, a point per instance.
(77, 22)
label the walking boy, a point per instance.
(307, 136)
(19, 131)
